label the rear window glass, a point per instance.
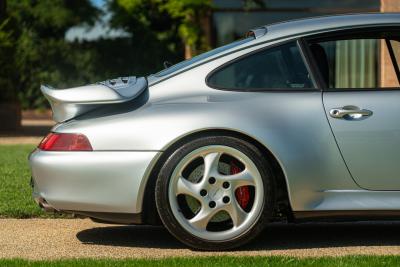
(280, 68)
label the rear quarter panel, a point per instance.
(292, 125)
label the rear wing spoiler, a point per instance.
(69, 103)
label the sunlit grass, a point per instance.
(15, 192)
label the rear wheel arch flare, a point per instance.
(149, 209)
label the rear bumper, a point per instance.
(98, 182)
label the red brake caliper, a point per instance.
(243, 192)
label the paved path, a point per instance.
(71, 238)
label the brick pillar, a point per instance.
(388, 76)
(390, 5)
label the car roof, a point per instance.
(300, 27)
(312, 25)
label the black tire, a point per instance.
(164, 208)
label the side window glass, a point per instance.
(280, 67)
(357, 63)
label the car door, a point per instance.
(361, 98)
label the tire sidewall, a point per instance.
(163, 181)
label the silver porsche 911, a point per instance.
(299, 120)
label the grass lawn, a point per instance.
(351, 261)
(15, 192)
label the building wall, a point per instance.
(231, 19)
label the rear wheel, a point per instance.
(215, 193)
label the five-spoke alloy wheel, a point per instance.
(215, 192)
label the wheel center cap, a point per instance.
(216, 193)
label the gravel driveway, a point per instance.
(71, 238)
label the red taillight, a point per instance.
(65, 142)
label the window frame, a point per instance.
(303, 55)
(354, 33)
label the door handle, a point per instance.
(350, 113)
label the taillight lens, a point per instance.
(65, 142)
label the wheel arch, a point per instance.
(283, 207)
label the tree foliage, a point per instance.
(167, 19)
(190, 14)
(33, 40)
(34, 51)
(7, 56)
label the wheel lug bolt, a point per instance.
(211, 180)
(212, 204)
(225, 185)
(226, 199)
(203, 192)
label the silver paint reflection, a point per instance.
(128, 138)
